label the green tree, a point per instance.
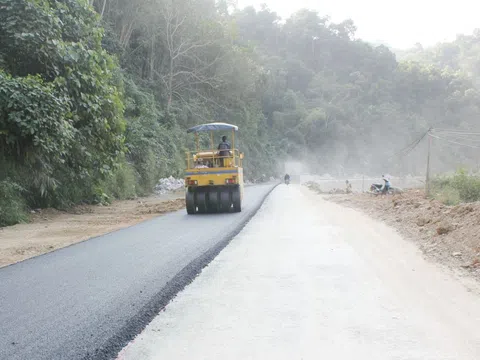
(61, 119)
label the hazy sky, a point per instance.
(399, 23)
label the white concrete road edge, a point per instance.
(308, 279)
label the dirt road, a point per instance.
(448, 235)
(309, 279)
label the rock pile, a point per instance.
(169, 184)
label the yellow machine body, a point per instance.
(214, 178)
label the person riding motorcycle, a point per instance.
(287, 178)
(387, 185)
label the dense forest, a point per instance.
(458, 149)
(461, 56)
(95, 96)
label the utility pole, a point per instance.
(427, 177)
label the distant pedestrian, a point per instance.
(348, 190)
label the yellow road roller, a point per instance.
(214, 176)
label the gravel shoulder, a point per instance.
(51, 229)
(448, 235)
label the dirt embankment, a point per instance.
(447, 234)
(52, 229)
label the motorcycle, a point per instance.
(377, 189)
(287, 181)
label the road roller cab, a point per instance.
(214, 175)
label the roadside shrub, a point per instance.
(121, 185)
(448, 196)
(13, 209)
(461, 187)
(468, 186)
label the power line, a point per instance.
(469, 138)
(408, 149)
(474, 135)
(462, 138)
(458, 132)
(454, 142)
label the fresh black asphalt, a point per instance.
(87, 301)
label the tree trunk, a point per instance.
(170, 86)
(103, 9)
(152, 56)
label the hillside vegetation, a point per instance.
(95, 96)
(461, 55)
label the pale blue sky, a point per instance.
(399, 23)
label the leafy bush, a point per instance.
(153, 148)
(61, 108)
(461, 187)
(12, 203)
(33, 119)
(122, 183)
(448, 196)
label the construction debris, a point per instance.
(169, 184)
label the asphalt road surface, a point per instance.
(88, 300)
(308, 279)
